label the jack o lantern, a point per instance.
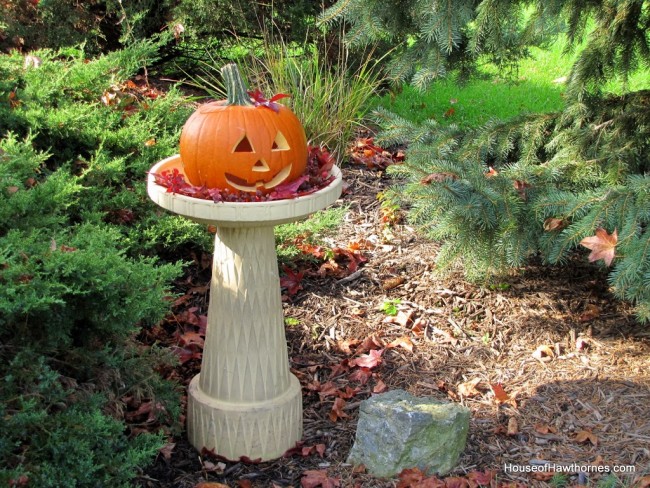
(238, 145)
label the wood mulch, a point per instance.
(552, 367)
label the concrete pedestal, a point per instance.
(245, 401)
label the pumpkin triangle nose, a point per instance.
(261, 165)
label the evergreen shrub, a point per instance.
(78, 276)
(538, 184)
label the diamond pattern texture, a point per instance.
(245, 402)
(245, 355)
(263, 431)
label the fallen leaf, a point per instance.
(370, 360)
(438, 177)
(553, 223)
(491, 173)
(337, 410)
(590, 313)
(583, 436)
(643, 482)
(450, 111)
(468, 389)
(380, 387)
(167, 450)
(362, 375)
(602, 245)
(211, 484)
(404, 342)
(482, 478)
(500, 394)
(521, 187)
(318, 478)
(545, 429)
(244, 483)
(456, 482)
(327, 389)
(543, 475)
(401, 318)
(544, 353)
(292, 280)
(346, 345)
(409, 476)
(418, 327)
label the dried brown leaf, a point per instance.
(468, 389)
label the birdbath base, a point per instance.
(245, 403)
(263, 431)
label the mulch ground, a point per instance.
(552, 367)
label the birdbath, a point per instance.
(245, 402)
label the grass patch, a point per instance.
(535, 88)
(318, 225)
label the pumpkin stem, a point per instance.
(235, 86)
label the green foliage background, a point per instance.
(77, 265)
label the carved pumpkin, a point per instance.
(237, 145)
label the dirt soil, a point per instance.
(552, 367)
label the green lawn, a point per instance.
(536, 88)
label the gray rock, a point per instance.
(397, 430)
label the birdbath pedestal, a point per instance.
(245, 402)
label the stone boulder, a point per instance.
(397, 430)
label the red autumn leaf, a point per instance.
(314, 479)
(328, 389)
(184, 354)
(451, 111)
(483, 478)
(362, 375)
(499, 393)
(409, 476)
(456, 482)
(370, 360)
(292, 280)
(602, 245)
(244, 483)
(320, 449)
(369, 343)
(347, 393)
(189, 339)
(337, 410)
(339, 368)
(491, 172)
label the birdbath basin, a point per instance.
(245, 402)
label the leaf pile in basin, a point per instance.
(316, 177)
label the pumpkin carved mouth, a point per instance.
(243, 185)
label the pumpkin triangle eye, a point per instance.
(244, 145)
(280, 143)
